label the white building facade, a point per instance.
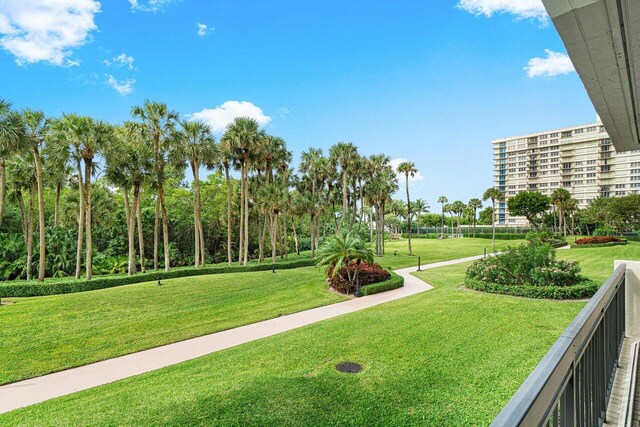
(580, 159)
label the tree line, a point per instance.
(116, 186)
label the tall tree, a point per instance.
(344, 154)
(457, 208)
(561, 198)
(443, 201)
(35, 128)
(159, 123)
(529, 204)
(495, 195)
(11, 131)
(421, 207)
(475, 204)
(198, 147)
(409, 170)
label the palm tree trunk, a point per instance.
(23, 214)
(165, 226)
(493, 226)
(156, 234)
(81, 217)
(272, 235)
(32, 196)
(246, 215)
(41, 226)
(3, 186)
(88, 220)
(56, 208)
(285, 236)
(295, 235)
(131, 214)
(127, 209)
(140, 235)
(229, 231)
(196, 219)
(408, 210)
(312, 230)
(241, 229)
(345, 205)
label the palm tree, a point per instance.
(494, 195)
(198, 147)
(35, 128)
(100, 136)
(421, 207)
(11, 130)
(340, 251)
(310, 165)
(22, 176)
(457, 208)
(408, 169)
(129, 164)
(225, 164)
(561, 199)
(159, 124)
(272, 197)
(243, 138)
(443, 201)
(475, 204)
(344, 154)
(382, 183)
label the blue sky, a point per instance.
(430, 81)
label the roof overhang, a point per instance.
(602, 38)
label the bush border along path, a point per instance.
(581, 290)
(35, 289)
(396, 281)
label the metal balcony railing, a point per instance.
(572, 384)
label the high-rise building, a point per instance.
(580, 159)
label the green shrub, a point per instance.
(32, 289)
(584, 289)
(544, 237)
(529, 270)
(604, 231)
(396, 281)
(600, 245)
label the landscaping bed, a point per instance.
(599, 242)
(530, 271)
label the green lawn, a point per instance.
(46, 334)
(444, 357)
(597, 263)
(434, 250)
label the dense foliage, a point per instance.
(530, 269)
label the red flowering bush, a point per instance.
(368, 274)
(596, 240)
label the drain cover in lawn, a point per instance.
(349, 367)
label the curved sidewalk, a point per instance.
(39, 389)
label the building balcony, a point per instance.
(589, 376)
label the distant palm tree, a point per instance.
(197, 146)
(272, 197)
(11, 131)
(344, 154)
(159, 123)
(475, 204)
(408, 169)
(420, 206)
(561, 199)
(457, 208)
(443, 201)
(35, 129)
(495, 195)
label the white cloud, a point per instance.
(124, 87)
(204, 29)
(401, 177)
(122, 60)
(150, 5)
(555, 63)
(283, 112)
(46, 30)
(219, 117)
(522, 9)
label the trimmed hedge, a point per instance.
(396, 281)
(499, 236)
(559, 245)
(599, 245)
(32, 289)
(582, 290)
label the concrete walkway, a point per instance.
(39, 389)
